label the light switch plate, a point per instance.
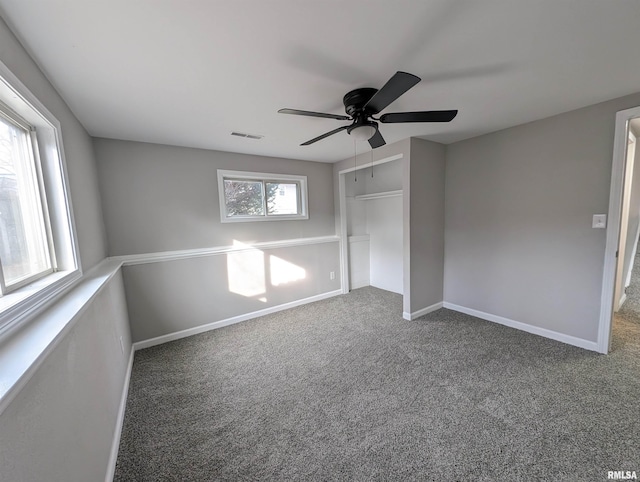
(599, 221)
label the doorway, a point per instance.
(623, 230)
(630, 215)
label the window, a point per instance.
(24, 241)
(255, 196)
(38, 251)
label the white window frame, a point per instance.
(12, 118)
(22, 303)
(262, 177)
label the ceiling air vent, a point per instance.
(248, 136)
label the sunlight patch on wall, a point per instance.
(245, 271)
(283, 272)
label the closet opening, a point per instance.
(371, 208)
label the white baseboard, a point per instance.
(115, 444)
(554, 335)
(623, 298)
(422, 312)
(230, 321)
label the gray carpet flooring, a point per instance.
(345, 389)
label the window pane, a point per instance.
(282, 198)
(23, 243)
(243, 198)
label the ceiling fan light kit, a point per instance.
(362, 104)
(362, 132)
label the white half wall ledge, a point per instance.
(231, 321)
(23, 352)
(133, 259)
(518, 325)
(422, 312)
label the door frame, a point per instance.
(614, 217)
(620, 281)
(627, 280)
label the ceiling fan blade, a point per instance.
(319, 138)
(394, 88)
(425, 116)
(377, 140)
(313, 114)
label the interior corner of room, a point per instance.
(531, 222)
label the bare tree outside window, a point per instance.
(244, 198)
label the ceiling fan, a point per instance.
(362, 104)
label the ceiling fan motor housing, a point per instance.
(354, 103)
(355, 100)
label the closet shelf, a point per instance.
(356, 238)
(379, 195)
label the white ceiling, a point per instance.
(190, 72)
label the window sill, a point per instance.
(26, 347)
(271, 218)
(25, 302)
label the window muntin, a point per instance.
(24, 241)
(250, 196)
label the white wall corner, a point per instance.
(422, 312)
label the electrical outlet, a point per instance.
(332, 275)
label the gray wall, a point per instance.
(171, 296)
(426, 207)
(386, 177)
(519, 242)
(161, 198)
(61, 424)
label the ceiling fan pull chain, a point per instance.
(371, 163)
(355, 165)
